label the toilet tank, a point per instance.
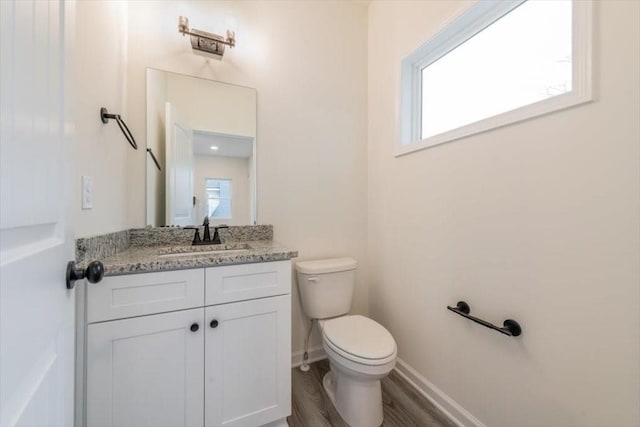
(326, 286)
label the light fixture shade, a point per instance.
(205, 43)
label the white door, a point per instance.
(36, 238)
(146, 371)
(248, 362)
(179, 163)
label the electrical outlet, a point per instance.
(87, 192)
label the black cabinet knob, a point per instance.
(214, 323)
(195, 327)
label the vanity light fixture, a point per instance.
(213, 147)
(204, 43)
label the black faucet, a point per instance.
(207, 235)
(216, 236)
(206, 239)
(196, 237)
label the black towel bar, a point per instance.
(511, 327)
(154, 159)
(105, 116)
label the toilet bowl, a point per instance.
(361, 351)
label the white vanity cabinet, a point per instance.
(180, 358)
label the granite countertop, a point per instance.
(162, 258)
(161, 249)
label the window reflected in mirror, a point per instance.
(218, 198)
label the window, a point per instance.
(218, 198)
(499, 63)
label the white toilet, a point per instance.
(361, 351)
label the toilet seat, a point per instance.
(359, 339)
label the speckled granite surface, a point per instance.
(161, 249)
(103, 246)
(153, 258)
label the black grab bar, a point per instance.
(511, 327)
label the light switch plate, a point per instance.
(87, 192)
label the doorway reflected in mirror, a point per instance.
(204, 135)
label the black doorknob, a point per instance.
(195, 327)
(214, 323)
(93, 273)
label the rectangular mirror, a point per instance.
(203, 135)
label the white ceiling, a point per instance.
(228, 145)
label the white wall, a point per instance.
(234, 168)
(102, 151)
(537, 221)
(307, 61)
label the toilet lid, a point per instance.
(359, 336)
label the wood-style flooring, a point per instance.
(403, 406)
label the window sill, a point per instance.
(527, 112)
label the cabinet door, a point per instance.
(146, 371)
(248, 362)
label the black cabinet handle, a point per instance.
(93, 273)
(195, 327)
(214, 323)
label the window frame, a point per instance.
(472, 21)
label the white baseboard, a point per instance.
(444, 403)
(315, 354)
